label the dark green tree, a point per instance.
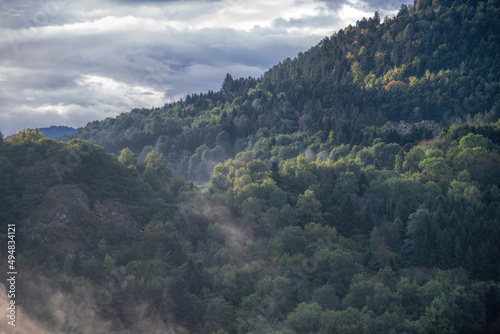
(348, 223)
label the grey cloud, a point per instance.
(309, 22)
(45, 81)
(367, 5)
(127, 60)
(32, 13)
(382, 6)
(80, 61)
(151, 1)
(385, 5)
(334, 4)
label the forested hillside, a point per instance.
(353, 189)
(436, 63)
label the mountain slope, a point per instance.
(436, 62)
(404, 241)
(413, 67)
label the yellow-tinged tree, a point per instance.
(127, 158)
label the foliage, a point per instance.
(430, 63)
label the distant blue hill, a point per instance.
(54, 132)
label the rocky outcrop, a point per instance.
(404, 126)
(66, 221)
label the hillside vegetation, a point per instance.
(353, 189)
(436, 63)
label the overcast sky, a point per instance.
(68, 62)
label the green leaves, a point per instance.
(472, 141)
(306, 318)
(127, 158)
(308, 208)
(436, 169)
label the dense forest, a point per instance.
(352, 189)
(434, 62)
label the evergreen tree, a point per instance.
(348, 218)
(275, 173)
